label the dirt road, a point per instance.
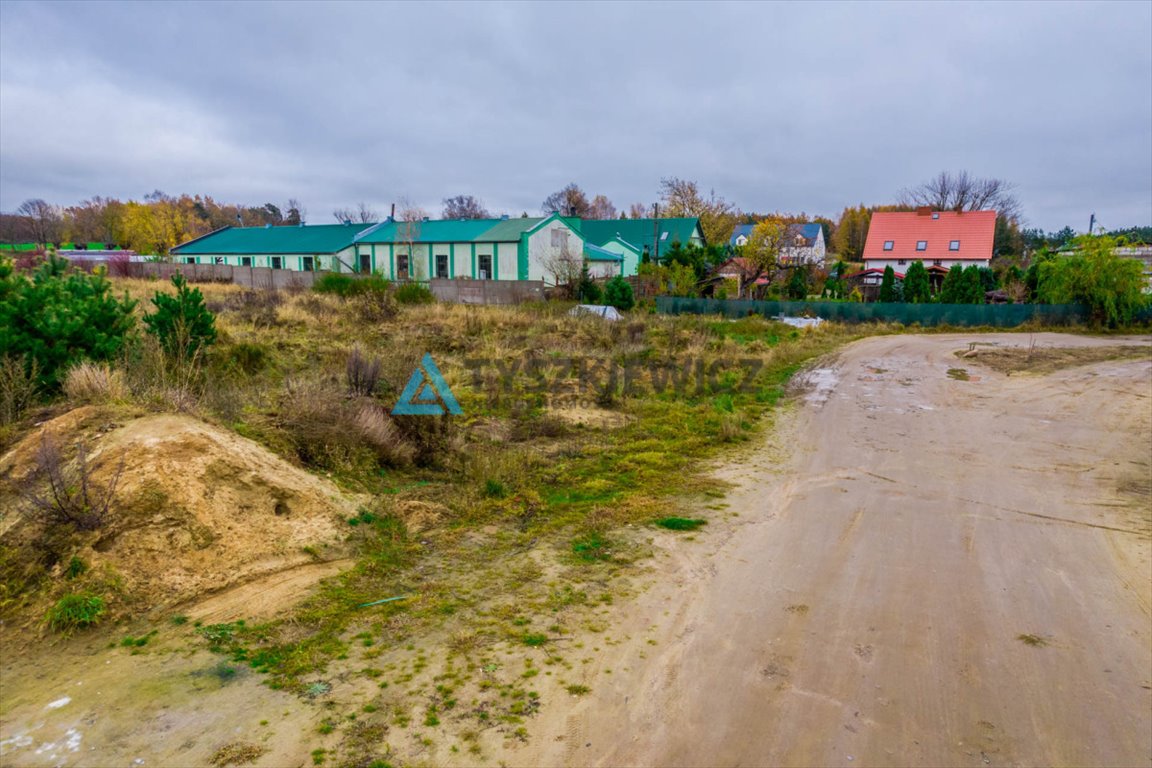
(944, 572)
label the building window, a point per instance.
(485, 266)
(888, 244)
(954, 245)
(442, 265)
(559, 238)
(365, 262)
(245, 261)
(902, 262)
(935, 215)
(663, 236)
(277, 262)
(921, 245)
(218, 260)
(306, 263)
(189, 259)
(402, 266)
(937, 263)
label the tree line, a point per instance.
(159, 222)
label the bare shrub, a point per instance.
(381, 432)
(374, 307)
(90, 382)
(338, 434)
(362, 373)
(18, 388)
(65, 493)
(257, 307)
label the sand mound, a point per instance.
(198, 509)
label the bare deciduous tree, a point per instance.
(465, 207)
(361, 214)
(564, 266)
(963, 192)
(44, 220)
(638, 211)
(295, 212)
(569, 201)
(409, 221)
(601, 208)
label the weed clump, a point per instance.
(414, 293)
(76, 611)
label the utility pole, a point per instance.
(656, 232)
(1091, 223)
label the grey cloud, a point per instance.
(776, 106)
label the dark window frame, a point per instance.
(485, 274)
(447, 271)
(307, 264)
(921, 245)
(277, 262)
(403, 266)
(889, 244)
(953, 245)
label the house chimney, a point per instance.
(392, 216)
(425, 218)
(923, 210)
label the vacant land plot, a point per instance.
(912, 561)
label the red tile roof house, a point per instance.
(937, 238)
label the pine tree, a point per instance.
(182, 323)
(59, 317)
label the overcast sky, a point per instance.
(775, 106)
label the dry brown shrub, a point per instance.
(378, 429)
(89, 382)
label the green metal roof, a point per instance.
(596, 253)
(450, 231)
(319, 238)
(331, 238)
(639, 232)
(508, 230)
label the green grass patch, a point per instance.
(680, 523)
(76, 611)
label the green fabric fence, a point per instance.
(995, 315)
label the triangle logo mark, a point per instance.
(426, 393)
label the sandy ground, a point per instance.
(866, 607)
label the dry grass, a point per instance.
(1044, 360)
(377, 428)
(95, 384)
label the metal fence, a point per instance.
(995, 315)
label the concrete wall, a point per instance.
(252, 277)
(487, 291)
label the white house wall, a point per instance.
(901, 266)
(541, 251)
